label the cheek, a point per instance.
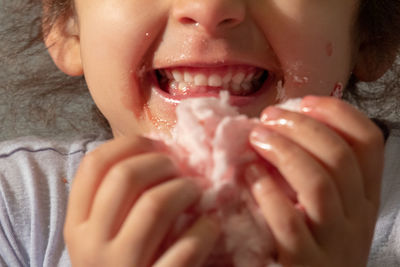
(315, 66)
(315, 50)
(329, 49)
(113, 50)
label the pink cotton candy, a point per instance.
(210, 141)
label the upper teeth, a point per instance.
(238, 80)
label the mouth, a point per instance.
(239, 80)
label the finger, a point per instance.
(149, 220)
(93, 168)
(361, 133)
(194, 247)
(122, 186)
(324, 145)
(292, 236)
(315, 189)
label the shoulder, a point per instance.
(35, 176)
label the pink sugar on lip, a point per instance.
(210, 142)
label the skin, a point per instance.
(329, 153)
(133, 38)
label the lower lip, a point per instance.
(238, 101)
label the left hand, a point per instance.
(332, 157)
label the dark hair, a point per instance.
(378, 25)
(33, 90)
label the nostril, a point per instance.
(227, 22)
(187, 20)
(210, 14)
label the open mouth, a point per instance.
(190, 81)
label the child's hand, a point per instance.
(123, 201)
(332, 157)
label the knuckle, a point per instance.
(161, 163)
(139, 141)
(321, 188)
(123, 172)
(90, 254)
(289, 152)
(83, 251)
(290, 227)
(68, 236)
(303, 120)
(375, 137)
(334, 104)
(91, 160)
(341, 156)
(72, 234)
(152, 202)
(89, 249)
(161, 159)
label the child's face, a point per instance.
(307, 46)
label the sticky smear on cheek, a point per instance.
(329, 49)
(280, 92)
(300, 80)
(338, 90)
(292, 73)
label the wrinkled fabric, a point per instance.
(35, 178)
(385, 250)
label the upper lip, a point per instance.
(202, 51)
(207, 61)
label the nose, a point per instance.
(212, 15)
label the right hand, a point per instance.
(123, 201)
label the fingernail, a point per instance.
(259, 133)
(259, 137)
(308, 103)
(271, 113)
